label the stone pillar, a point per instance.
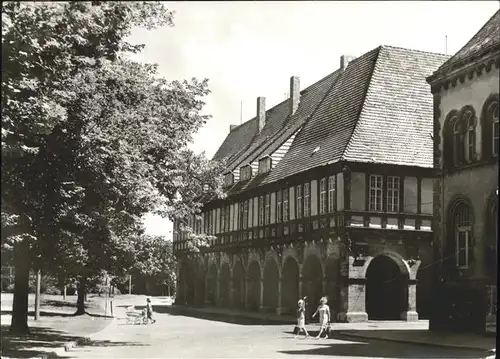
(280, 286)
(411, 314)
(231, 293)
(353, 292)
(261, 301)
(247, 292)
(301, 287)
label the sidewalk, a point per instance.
(396, 331)
(426, 337)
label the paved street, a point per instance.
(185, 337)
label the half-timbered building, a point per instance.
(329, 193)
(466, 132)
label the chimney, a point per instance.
(344, 61)
(232, 127)
(294, 94)
(261, 112)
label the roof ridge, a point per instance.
(378, 49)
(477, 33)
(414, 50)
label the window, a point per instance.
(267, 209)
(205, 222)
(198, 225)
(264, 164)
(210, 222)
(495, 129)
(375, 193)
(331, 194)
(462, 233)
(261, 210)
(307, 199)
(223, 219)
(243, 215)
(279, 206)
(458, 142)
(285, 205)
(298, 201)
(392, 194)
(470, 139)
(228, 218)
(228, 179)
(245, 172)
(322, 196)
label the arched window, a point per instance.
(470, 138)
(490, 127)
(493, 111)
(459, 130)
(462, 234)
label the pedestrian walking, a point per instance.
(301, 318)
(324, 316)
(149, 311)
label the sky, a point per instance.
(251, 49)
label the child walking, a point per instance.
(149, 311)
(301, 319)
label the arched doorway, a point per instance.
(289, 285)
(253, 290)
(224, 287)
(313, 283)
(212, 285)
(271, 277)
(239, 286)
(386, 289)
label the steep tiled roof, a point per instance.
(395, 125)
(379, 109)
(237, 140)
(333, 122)
(487, 39)
(309, 100)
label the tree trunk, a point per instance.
(37, 294)
(19, 323)
(80, 302)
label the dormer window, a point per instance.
(228, 179)
(265, 164)
(245, 173)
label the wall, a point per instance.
(472, 92)
(358, 191)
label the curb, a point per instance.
(406, 341)
(68, 346)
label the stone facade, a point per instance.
(466, 191)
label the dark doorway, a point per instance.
(253, 290)
(313, 283)
(386, 289)
(212, 285)
(224, 288)
(271, 277)
(239, 286)
(289, 286)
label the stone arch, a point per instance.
(224, 285)
(253, 288)
(487, 125)
(289, 285)
(238, 286)
(312, 280)
(271, 278)
(387, 279)
(211, 287)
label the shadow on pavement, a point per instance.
(369, 348)
(40, 340)
(43, 313)
(236, 318)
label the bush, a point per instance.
(10, 288)
(52, 291)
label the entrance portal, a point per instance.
(386, 289)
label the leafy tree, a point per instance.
(91, 140)
(154, 262)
